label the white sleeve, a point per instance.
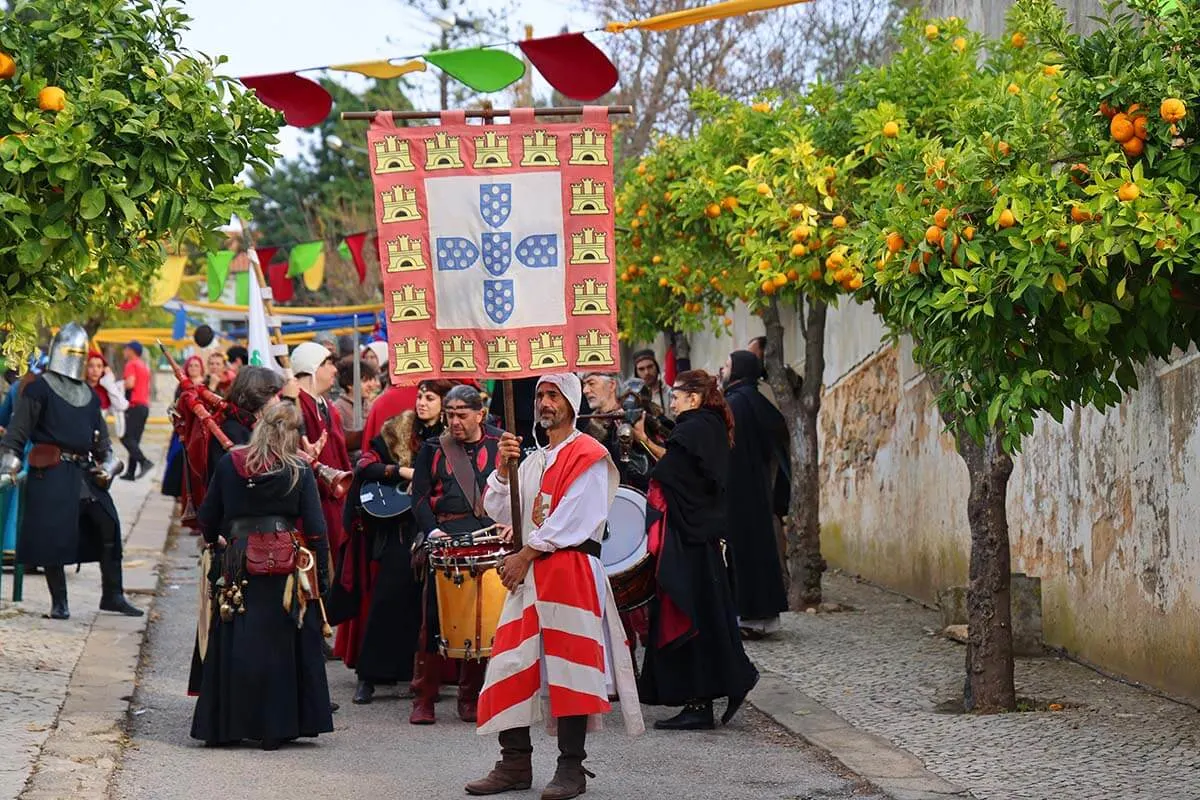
(495, 500)
(582, 510)
(116, 394)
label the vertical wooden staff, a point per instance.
(514, 482)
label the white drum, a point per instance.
(624, 551)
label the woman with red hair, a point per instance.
(695, 653)
(112, 397)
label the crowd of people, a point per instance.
(284, 487)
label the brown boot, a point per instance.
(514, 770)
(470, 682)
(426, 682)
(570, 778)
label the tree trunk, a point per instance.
(799, 401)
(683, 350)
(989, 685)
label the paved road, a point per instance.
(375, 754)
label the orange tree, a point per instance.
(746, 210)
(1036, 250)
(114, 139)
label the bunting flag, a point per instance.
(382, 70)
(572, 65)
(694, 16)
(218, 272)
(241, 290)
(303, 257)
(179, 326)
(355, 243)
(130, 303)
(483, 69)
(303, 102)
(282, 287)
(170, 275)
(265, 256)
(314, 276)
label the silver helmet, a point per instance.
(68, 352)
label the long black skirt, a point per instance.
(712, 662)
(263, 678)
(394, 619)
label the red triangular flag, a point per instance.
(265, 254)
(303, 102)
(282, 287)
(356, 242)
(670, 366)
(572, 65)
(130, 303)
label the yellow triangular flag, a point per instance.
(170, 275)
(314, 276)
(383, 70)
(693, 16)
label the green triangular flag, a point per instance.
(344, 251)
(242, 289)
(303, 256)
(484, 69)
(218, 271)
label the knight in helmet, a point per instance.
(69, 516)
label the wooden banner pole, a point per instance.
(474, 113)
(514, 483)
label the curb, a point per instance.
(896, 772)
(80, 756)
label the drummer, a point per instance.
(634, 462)
(446, 504)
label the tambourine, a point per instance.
(384, 501)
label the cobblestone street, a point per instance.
(880, 669)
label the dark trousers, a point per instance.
(135, 423)
(572, 736)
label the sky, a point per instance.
(266, 36)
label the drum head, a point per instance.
(625, 542)
(383, 501)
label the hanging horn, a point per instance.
(336, 481)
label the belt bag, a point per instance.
(271, 553)
(45, 455)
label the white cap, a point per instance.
(307, 356)
(380, 349)
(567, 383)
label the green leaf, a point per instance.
(91, 205)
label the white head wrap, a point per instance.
(567, 383)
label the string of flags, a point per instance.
(569, 62)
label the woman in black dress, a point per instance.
(695, 652)
(264, 672)
(376, 580)
(249, 395)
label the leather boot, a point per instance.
(364, 693)
(570, 777)
(112, 592)
(693, 717)
(470, 682)
(426, 681)
(56, 582)
(514, 770)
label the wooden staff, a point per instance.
(514, 481)
(475, 113)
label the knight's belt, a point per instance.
(591, 547)
(275, 523)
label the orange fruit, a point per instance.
(1129, 191)
(635, 224)
(1171, 110)
(800, 233)
(1018, 40)
(1107, 110)
(793, 275)
(941, 217)
(641, 169)
(895, 242)
(969, 232)
(712, 211)
(1139, 128)
(729, 203)
(1007, 220)
(1134, 147)
(656, 259)
(1014, 88)
(855, 282)
(728, 322)
(959, 44)
(913, 268)
(1080, 173)
(1052, 70)
(901, 188)
(764, 265)
(839, 221)
(934, 234)
(52, 98)
(763, 189)
(768, 287)
(796, 210)
(1004, 148)
(761, 107)
(780, 279)
(940, 185)
(663, 282)
(667, 196)
(799, 251)
(1121, 128)
(1078, 214)
(891, 130)
(8, 67)
(815, 274)
(880, 264)
(931, 32)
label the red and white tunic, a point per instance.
(554, 653)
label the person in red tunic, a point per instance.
(392, 402)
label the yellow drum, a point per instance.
(470, 596)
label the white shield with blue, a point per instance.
(497, 252)
(499, 301)
(495, 203)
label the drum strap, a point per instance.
(464, 472)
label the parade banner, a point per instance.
(496, 245)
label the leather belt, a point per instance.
(273, 523)
(591, 547)
(451, 517)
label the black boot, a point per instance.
(112, 592)
(364, 693)
(56, 581)
(570, 776)
(694, 717)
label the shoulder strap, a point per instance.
(464, 471)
